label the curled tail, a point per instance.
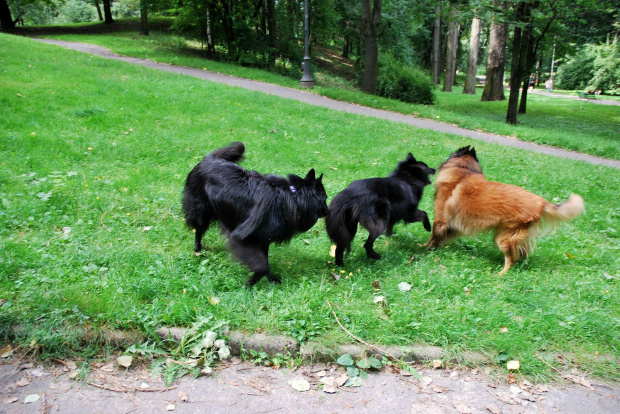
(233, 152)
(566, 211)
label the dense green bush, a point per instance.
(594, 68)
(404, 83)
(577, 72)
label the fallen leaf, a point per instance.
(336, 276)
(425, 381)
(10, 400)
(22, 382)
(171, 407)
(379, 299)
(299, 384)
(147, 228)
(503, 329)
(353, 382)
(404, 287)
(329, 385)
(214, 300)
(124, 361)
(341, 380)
(332, 251)
(183, 397)
(494, 408)
(144, 386)
(31, 398)
(73, 374)
(71, 365)
(107, 368)
(513, 365)
(463, 409)
(6, 352)
(411, 259)
(437, 363)
(511, 378)
(376, 284)
(405, 373)
(321, 374)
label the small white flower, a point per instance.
(220, 343)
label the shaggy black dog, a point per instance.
(254, 210)
(378, 204)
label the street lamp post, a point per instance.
(306, 79)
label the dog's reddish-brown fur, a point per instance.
(466, 203)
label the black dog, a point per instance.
(254, 210)
(378, 204)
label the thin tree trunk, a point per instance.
(453, 35)
(515, 78)
(523, 101)
(496, 60)
(371, 16)
(271, 27)
(472, 63)
(437, 46)
(144, 18)
(99, 13)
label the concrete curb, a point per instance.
(318, 352)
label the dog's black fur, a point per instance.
(254, 210)
(378, 204)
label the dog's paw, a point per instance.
(374, 255)
(274, 279)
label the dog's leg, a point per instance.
(254, 256)
(270, 277)
(508, 241)
(200, 231)
(421, 216)
(339, 255)
(375, 229)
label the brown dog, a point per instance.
(466, 203)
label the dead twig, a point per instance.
(539, 407)
(376, 348)
(350, 406)
(549, 365)
(101, 221)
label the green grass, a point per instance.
(93, 157)
(566, 123)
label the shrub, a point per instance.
(404, 83)
(577, 72)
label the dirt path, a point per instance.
(317, 100)
(244, 388)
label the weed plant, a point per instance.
(94, 154)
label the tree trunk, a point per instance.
(144, 18)
(6, 20)
(107, 11)
(515, 78)
(271, 28)
(437, 46)
(99, 13)
(523, 101)
(472, 63)
(451, 50)
(371, 16)
(496, 60)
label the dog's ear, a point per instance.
(472, 152)
(311, 175)
(320, 178)
(410, 158)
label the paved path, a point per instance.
(597, 101)
(318, 100)
(244, 388)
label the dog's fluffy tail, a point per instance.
(340, 224)
(233, 152)
(568, 210)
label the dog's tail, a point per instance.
(340, 223)
(233, 152)
(566, 211)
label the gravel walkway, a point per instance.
(317, 100)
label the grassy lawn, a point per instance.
(94, 154)
(567, 123)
